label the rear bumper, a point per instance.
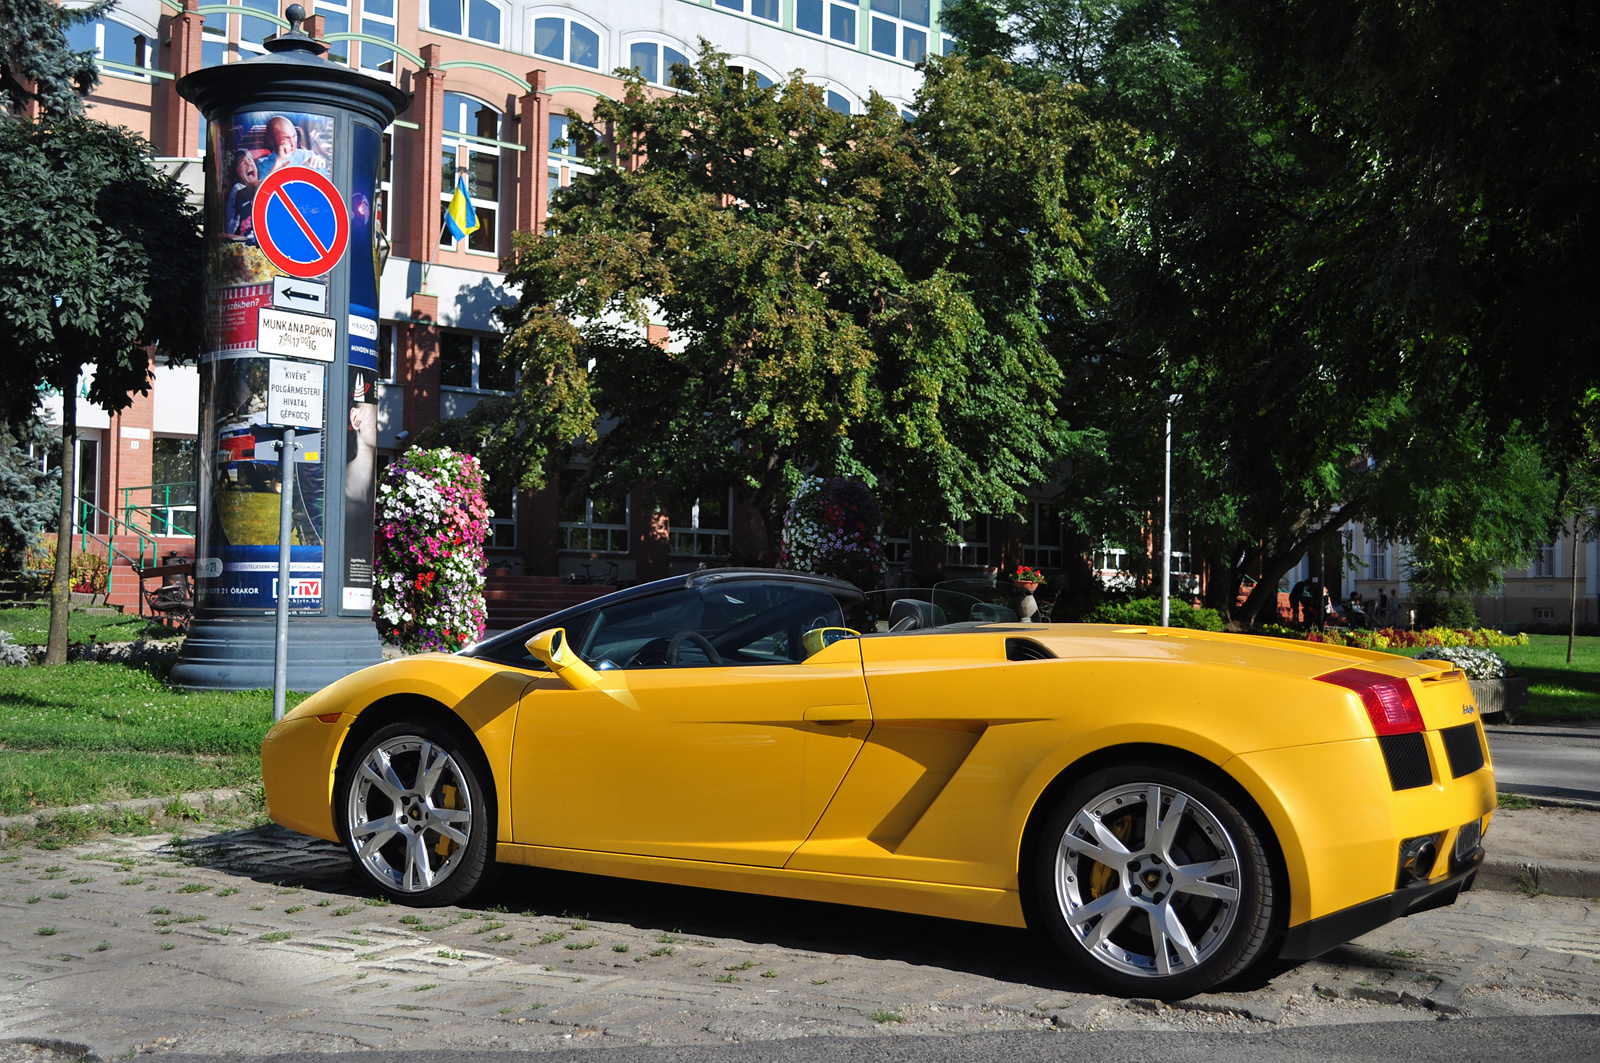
(1313, 938)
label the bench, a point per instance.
(172, 600)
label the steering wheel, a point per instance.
(674, 646)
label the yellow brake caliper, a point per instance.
(1100, 876)
(445, 845)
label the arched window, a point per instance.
(566, 40)
(471, 149)
(120, 49)
(478, 20)
(740, 67)
(839, 101)
(655, 60)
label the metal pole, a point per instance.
(280, 668)
(1166, 532)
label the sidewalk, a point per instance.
(1544, 849)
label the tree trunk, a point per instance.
(1572, 605)
(61, 584)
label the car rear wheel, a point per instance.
(415, 812)
(1154, 883)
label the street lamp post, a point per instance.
(1166, 524)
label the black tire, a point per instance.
(450, 827)
(1143, 891)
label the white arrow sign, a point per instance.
(292, 293)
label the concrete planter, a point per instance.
(1499, 699)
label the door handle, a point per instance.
(837, 713)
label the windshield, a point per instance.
(952, 603)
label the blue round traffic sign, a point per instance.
(300, 221)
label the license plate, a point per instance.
(1467, 838)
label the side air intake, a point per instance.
(1027, 650)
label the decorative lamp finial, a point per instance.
(295, 39)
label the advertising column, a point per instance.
(291, 296)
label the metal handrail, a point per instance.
(166, 491)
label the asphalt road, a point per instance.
(1562, 762)
(1550, 1039)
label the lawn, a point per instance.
(30, 626)
(87, 732)
(1557, 691)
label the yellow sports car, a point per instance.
(1169, 806)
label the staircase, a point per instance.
(515, 600)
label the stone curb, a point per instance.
(1561, 878)
(198, 799)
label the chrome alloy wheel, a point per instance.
(1148, 880)
(409, 813)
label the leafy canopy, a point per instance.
(850, 295)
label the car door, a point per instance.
(707, 738)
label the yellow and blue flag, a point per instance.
(460, 218)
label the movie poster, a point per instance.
(237, 566)
(361, 439)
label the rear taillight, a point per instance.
(1388, 701)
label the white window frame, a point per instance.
(750, 66)
(743, 8)
(472, 144)
(968, 550)
(703, 542)
(565, 14)
(901, 28)
(1039, 554)
(466, 23)
(661, 63)
(614, 536)
(369, 22)
(1377, 560)
(832, 86)
(827, 23)
(347, 9)
(115, 67)
(477, 362)
(1546, 561)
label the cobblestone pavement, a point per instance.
(260, 941)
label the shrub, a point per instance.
(834, 528)
(1146, 612)
(1445, 612)
(1478, 664)
(428, 569)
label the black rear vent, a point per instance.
(1461, 745)
(1026, 650)
(1407, 758)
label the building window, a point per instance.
(1041, 542)
(336, 19)
(478, 20)
(837, 22)
(765, 9)
(1543, 614)
(838, 101)
(592, 520)
(900, 29)
(474, 362)
(897, 548)
(972, 543)
(654, 62)
(566, 40)
(471, 147)
(742, 69)
(120, 50)
(253, 32)
(502, 499)
(377, 20)
(172, 492)
(707, 532)
(1377, 560)
(386, 357)
(1544, 561)
(385, 180)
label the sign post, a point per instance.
(294, 400)
(280, 663)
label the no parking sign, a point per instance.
(300, 221)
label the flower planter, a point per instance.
(1499, 699)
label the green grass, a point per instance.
(30, 626)
(84, 733)
(1557, 691)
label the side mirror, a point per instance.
(553, 650)
(817, 639)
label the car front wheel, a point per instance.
(1154, 883)
(415, 812)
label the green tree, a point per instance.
(38, 68)
(27, 490)
(856, 296)
(99, 260)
